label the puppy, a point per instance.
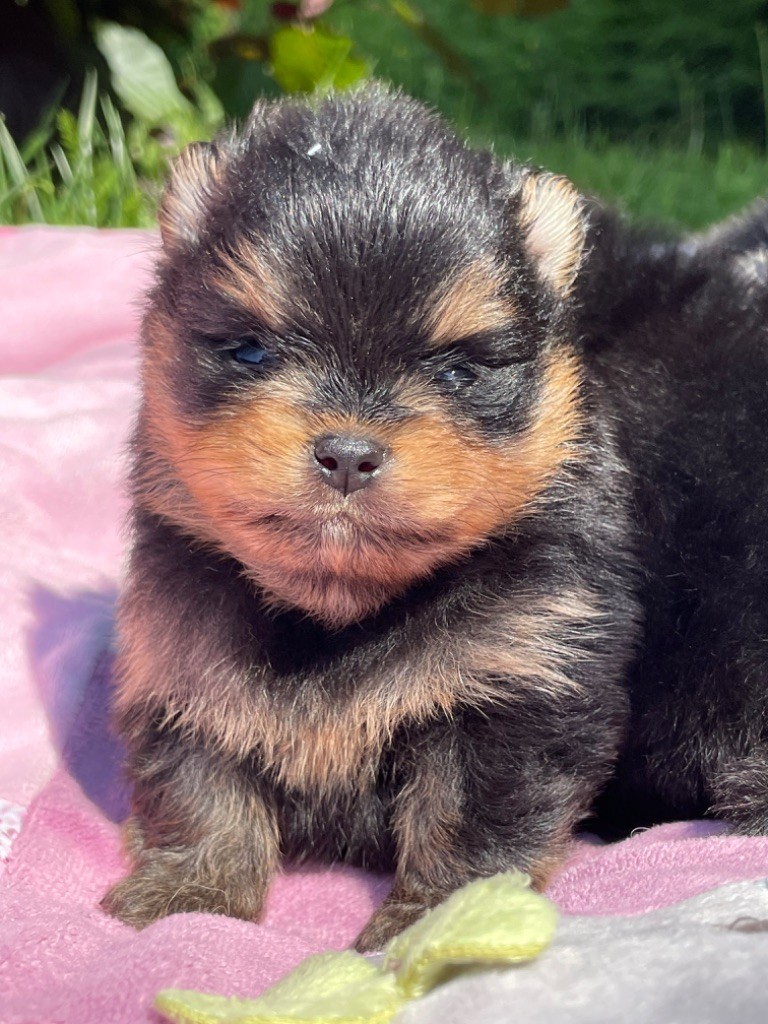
(449, 505)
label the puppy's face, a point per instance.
(354, 363)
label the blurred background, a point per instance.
(659, 106)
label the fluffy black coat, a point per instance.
(545, 594)
(681, 362)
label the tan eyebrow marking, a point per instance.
(251, 280)
(469, 304)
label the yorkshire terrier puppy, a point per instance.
(449, 504)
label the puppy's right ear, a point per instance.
(553, 218)
(195, 175)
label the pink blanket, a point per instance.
(68, 322)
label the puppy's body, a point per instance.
(689, 406)
(434, 535)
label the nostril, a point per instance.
(348, 463)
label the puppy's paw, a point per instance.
(157, 888)
(390, 919)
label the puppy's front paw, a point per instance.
(159, 887)
(390, 919)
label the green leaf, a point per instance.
(86, 114)
(66, 124)
(311, 59)
(18, 173)
(62, 164)
(86, 129)
(142, 75)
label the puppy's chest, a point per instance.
(317, 742)
(324, 731)
(316, 720)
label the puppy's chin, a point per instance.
(333, 600)
(338, 571)
(336, 566)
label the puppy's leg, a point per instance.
(202, 837)
(740, 788)
(501, 792)
(427, 823)
(730, 735)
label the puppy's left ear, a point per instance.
(195, 174)
(553, 219)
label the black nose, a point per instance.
(348, 463)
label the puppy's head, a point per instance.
(356, 366)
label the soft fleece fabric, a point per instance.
(488, 922)
(68, 325)
(697, 962)
(69, 310)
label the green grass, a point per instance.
(658, 109)
(661, 184)
(90, 170)
(675, 70)
(78, 170)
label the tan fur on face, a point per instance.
(470, 304)
(247, 481)
(254, 283)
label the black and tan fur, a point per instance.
(524, 605)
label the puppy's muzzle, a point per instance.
(348, 463)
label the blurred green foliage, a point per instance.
(631, 68)
(661, 107)
(79, 170)
(672, 70)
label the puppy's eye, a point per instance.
(456, 377)
(250, 353)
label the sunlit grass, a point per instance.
(88, 169)
(661, 183)
(76, 170)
